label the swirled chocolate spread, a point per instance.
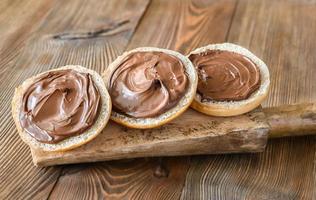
(59, 104)
(225, 76)
(146, 84)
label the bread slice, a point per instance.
(232, 108)
(183, 104)
(74, 141)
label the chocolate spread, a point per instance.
(146, 84)
(59, 104)
(225, 76)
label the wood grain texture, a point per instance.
(283, 171)
(279, 32)
(18, 178)
(184, 25)
(163, 22)
(125, 179)
(53, 41)
(18, 21)
(291, 120)
(201, 135)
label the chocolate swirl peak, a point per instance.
(225, 76)
(146, 84)
(59, 104)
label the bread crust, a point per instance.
(73, 141)
(184, 103)
(233, 108)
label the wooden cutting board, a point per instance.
(191, 133)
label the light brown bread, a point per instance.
(183, 104)
(74, 141)
(232, 108)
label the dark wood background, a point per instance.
(40, 35)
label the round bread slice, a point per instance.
(182, 105)
(232, 108)
(73, 141)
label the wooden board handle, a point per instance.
(291, 120)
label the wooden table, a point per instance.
(40, 35)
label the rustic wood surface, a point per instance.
(291, 120)
(93, 33)
(201, 134)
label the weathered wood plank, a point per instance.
(201, 134)
(60, 36)
(168, 24)
(282, 34)
(291, 120)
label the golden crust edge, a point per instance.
(221, 110)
